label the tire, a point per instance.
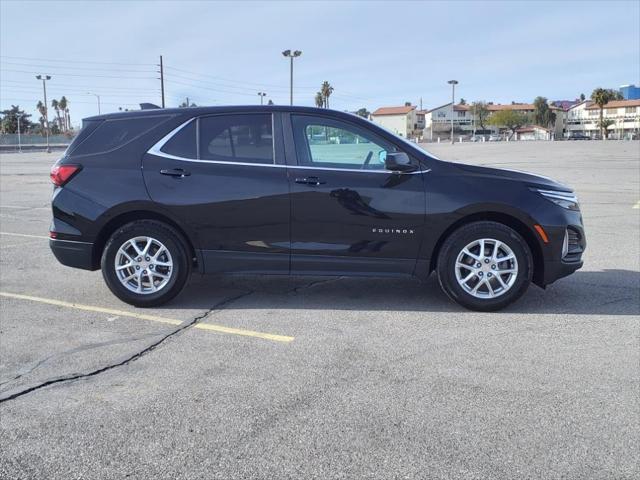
(164, 279)
(455, 266)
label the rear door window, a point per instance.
(115, 133)
(237, 138)
(183, 143)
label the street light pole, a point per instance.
(98, 97)
(44, 79)
(262, 95)
(453, 84)
(19, 140)
(291, 55)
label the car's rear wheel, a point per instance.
(484, 266)
(145, 263)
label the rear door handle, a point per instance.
(310, 181)
(175, 172)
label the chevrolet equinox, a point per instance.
(152, 195)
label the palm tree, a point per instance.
(604, 125)
(319, 100)
(326, 90)
(42, 109)
(56, 106)
(64, 108)
(602, 96)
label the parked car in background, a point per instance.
(494, 137)
(150, 196)
(578, 136)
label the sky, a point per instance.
(374, 54)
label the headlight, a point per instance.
(566, 200)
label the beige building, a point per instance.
(625, 115)
(405, 121)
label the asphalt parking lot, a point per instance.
(271, 378)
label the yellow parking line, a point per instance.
(23, 235)
(152, 318)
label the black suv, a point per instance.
(152, 195)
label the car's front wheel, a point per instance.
(484, 266)
(145, 263)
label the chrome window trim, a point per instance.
(156, 150)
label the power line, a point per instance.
(209, 88)
(62, 74)
(15, 99)
(66, 85)
(43, 66)
(79, 91)
(76, 61)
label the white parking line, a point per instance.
(24, 235)
(636, 206)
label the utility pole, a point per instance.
(453, 84)
(44, 79)
(262, 95)
(291, 55)
(420, 103)
(162, 80)
(19, 140)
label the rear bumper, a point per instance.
(73, 254)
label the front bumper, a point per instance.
(73, 254)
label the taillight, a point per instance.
(61, 174)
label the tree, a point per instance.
(187, 104)
(363, 112)
(510, 119)
(480, 111)
(463, 101)
(604, 126)
(602, 96)
(407, 104)
(9, 123)
(56, 106)
(582, 97)
(542, 113)
(42, 109)
(319, 100)
(270, 102)
(326, 89)
(63, 104)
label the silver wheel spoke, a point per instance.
(478, 281)
(472, 255)
(136, 268)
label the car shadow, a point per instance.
(608, 292)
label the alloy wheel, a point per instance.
(486, 268)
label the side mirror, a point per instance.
(398, 162)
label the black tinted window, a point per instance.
(183, 143)
(112, 134)
(239, 138)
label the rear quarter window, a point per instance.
(112, 134)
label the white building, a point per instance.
(625, 115)
(405, 121)
(438, 120)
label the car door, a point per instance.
(348, 213)
(224, 176)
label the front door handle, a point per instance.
(315, 181)
(175, 172)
